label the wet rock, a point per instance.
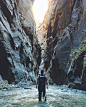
(70, 85)
(83, 86)
(3, 84)
(25, 85)
(28, 83)
(0, 78)
(77, 86)
(54, 84)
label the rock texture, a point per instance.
(60, 36)
(77, 66)
(41, 33)
(29, 26)
(58, 42)
(18, 59)
(66, 28)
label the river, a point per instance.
(57, 96)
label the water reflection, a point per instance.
(57, 96)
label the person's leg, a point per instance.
(44, 94)
(39, 95)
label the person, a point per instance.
(41, 82)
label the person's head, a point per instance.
(42, 72)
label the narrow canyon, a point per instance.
(57, 44)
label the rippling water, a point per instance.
(57, 96)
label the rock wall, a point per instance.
(19, 47)
(69, 31)
(66, 28)
(41, 33)
(59, 43)
(29, 26)
(60, 34)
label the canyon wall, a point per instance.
(62, 37)
(65, 25)
(20, 52)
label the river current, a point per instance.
(57, 96)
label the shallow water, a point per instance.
(57, 96)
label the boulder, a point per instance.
(70, 85)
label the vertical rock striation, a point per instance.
(60, 36)
(58, 42)
(29, 26)
(58, 39)
(66, 27)
(77, 66)
(17, 39)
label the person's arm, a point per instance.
(46, 82)
(37, 81)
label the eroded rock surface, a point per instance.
(17, 39)
(65, 30)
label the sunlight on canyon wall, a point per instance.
(39, 9)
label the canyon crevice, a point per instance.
(63, 29)
(58, 44)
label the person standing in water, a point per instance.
(41, 82)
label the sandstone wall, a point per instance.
(17, 39)
(29, 26)
(77, 62)
(41, 33)
(68, 31)
(65, 31)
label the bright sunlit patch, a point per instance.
(39, 9)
